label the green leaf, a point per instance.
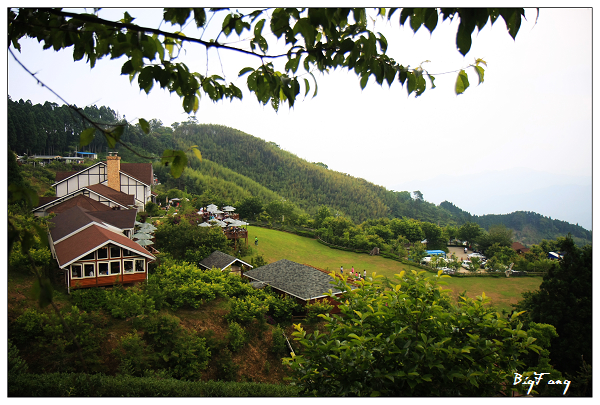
(479, 71)
(87, 136)
(463, 39)
(197, 153)
(112, 137)
(462, 82)
(245, 70)
(144, 125)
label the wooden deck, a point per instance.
(108, 280)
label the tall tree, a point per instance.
(564, 300)
(469, 232)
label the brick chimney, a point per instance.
(113, 162)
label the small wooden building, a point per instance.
(304, 283)
(223, 261)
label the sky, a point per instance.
(522, 140)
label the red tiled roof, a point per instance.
(140, 171)
(46, 200)
(518, 245)
(63, 175)
(91, 239)
(77, 201)
(122, 219)
(70, 221)
(117, 196)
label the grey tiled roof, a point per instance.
(293, 278)
(220, 260)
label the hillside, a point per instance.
(237, 165)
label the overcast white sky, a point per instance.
(533, 113)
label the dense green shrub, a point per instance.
(16, 365)
(28, 326)
(317, 308)
(227, 369)
(246, 309)
(183, 352)
(133, 301)
(100, 385)
(278, 343)
(89, 299)
(282, 308)
(237, 336)
(133, 354)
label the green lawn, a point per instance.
(275, 245)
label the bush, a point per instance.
(89, 299)
(133, 354)
(16, 365)
(317, 308)
(133, 301)
(227, 370)
(237, 336)
(246, 309)
(278, 343)
(100, 385)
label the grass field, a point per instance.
(275, 245)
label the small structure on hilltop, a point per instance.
(223, 261)
(303, 283)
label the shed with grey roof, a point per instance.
(222, 261)
(306, 284)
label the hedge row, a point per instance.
(100, 385)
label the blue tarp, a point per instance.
(437, 252)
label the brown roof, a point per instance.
(79, 200)
(140, 171)
(46, 200)
(116, 196)
(70, 221)
(91, 239)
(518, 245)
(63, 175)
(123, 219)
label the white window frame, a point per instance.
(107, 253)
(143, 266)
(93, 264)
(110, 273)
(80, 271)
(107, 268)
(132, 266)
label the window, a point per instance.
(127, 252)
(103, 269)
(89, 270)
(102, 253)
(127, 266)
(89, 256)
(76, 271)
(140, 265)
(115, 252)
(115, 267)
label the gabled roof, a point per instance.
(140, 171)
(71, 221)
(295, 279)
(220, 261)
(91, 239)
(76, 201)
(112, 194)
(63, 175)
(122, 219)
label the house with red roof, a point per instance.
(94, 248)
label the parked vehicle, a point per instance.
(466, 264)
(479, 255)
(448, 270)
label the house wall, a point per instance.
(93, 175)
(140, 191)
(77, 272)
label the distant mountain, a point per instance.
(568, 198)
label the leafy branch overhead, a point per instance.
(317, 40)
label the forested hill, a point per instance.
(307, 184)
(237, 165)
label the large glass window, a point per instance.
(76, 271)
(115, 252)
(127, 266)
(102, 253)
(89, 270)
(140, 265)
(115, 267)
(103, 269)
(127, 252)
(89, 256)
